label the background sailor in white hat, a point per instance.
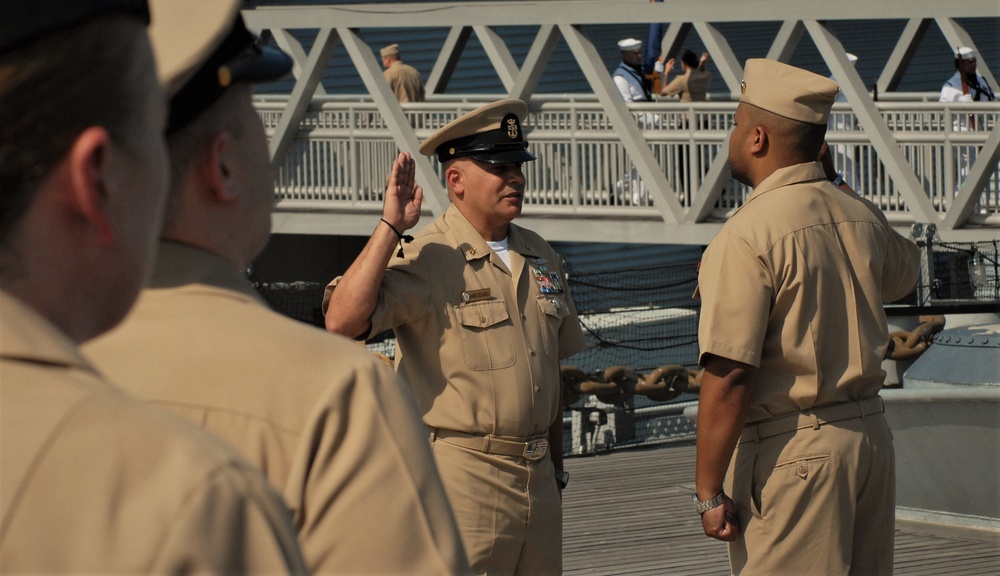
(966, 85)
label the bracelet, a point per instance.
(402, 237)
(837, 180)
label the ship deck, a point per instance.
(629, 513)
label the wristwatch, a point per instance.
(707, 505)
(562, 479)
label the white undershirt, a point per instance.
(502, 249)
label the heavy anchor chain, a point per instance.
(615, 384)
(907, 345)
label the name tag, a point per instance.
(476, 295)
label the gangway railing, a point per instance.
(339, 159)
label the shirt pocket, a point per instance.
(487, 341)
(553, 310)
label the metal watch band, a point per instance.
(707, 505)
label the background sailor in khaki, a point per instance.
(692, 85)
(92, 481)
(482, 316)
(404, 79)
(792, 336)
(324, 419)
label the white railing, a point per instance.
(343, 150)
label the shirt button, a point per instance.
(531, 351)
(523, 316)
(537, 389)
(482, 320)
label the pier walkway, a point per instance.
(629, 513)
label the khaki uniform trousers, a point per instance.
(508, 509)
(818, 499)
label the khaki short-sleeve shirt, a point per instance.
(692, 86)
(93, 481)
(325, 420)
(794, 284)
(479, 344)
(405, 82)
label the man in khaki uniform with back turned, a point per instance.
(91, 480)
(404, 79)
(323, 418)
(482, 316)
(792, 336)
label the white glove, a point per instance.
(658, 67)
(965, 98)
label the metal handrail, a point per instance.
(344, 149)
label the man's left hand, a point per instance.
(720, 522)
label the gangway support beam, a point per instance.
(447, 61)
(871, 122)
(902, 54)
(392, 113)
(957, 36)
(724, 59)
(978, 179)
(293, 48)
(607, 93)
(499, 55)
(786, 40)
(301, 96)
(535, 62)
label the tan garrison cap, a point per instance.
(629, 44)
(490, 133)
(788, 91)
(390, 50)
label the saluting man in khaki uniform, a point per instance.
(91, 480)
(324, 419)
(482, 316)
(792, 336)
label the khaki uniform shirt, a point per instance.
(92, 481)
(692, 85)
(479, 344)
(794, 284)
(324, 419)
(405, 82)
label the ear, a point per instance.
(219, 168)
(454, 178)
(758, 140)
(88, 163)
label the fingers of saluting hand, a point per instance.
(403, 197)
(402, 179)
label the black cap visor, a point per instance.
(504, 157)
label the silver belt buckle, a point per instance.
(536, 449)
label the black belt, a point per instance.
(533, 448)
(812, 418)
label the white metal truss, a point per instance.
(557, 19)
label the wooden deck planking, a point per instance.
(629, 513)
